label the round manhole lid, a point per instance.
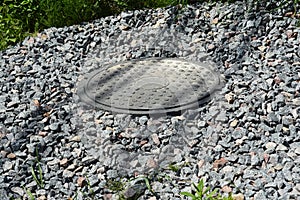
(149, 86)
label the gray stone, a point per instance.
(297, 150)
(270, 146)
(135, 190)
(12, 104)
(7, 165)
(287, 174)
(255, 160)
(112, 174)
(126, 14)
(54, 126)
(55, 161)
(222, 117)
(195, 131)
(201, 124)
(68, 174)
(3, 194)
(273, 117)
(281, 147)
(143, 120)
(297, 187)
(219, 148)
(41, 192)
(287, 120)
(260, 195)
(23, 115)
(18, 190)
(238, 133)
(271, 184)
(262, 117)
(88, 159)
(250, 24)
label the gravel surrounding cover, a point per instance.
(245, 141)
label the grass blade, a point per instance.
(188, 194)
(29, 194)
(148, 185)
(41, 176)
(34, 176)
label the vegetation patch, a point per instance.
(21, 18)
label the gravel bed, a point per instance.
(245, 141)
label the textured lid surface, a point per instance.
(148, 86)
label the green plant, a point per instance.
(133, 4)
(17, 20)
(38, 177)
(119, 186)
(29, 194)
(147, 182)
(174, 168)
(90, 194)
(91, 191)
(60, 13)
(11, 198)
(115, 185)
(177, 167)
(183, 2)
(202, 193)
(21, 18)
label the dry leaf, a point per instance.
(234, 123)
(42, 133)
(226, 189)
(219, 163)
(229, 97)
(155, 139)
(266, 158)
(76, 138)
(143, 142)
(80, 181)
(124, 27)
(151, 163)
(200, 163)
(277, 80)
(43, 197)
(238, 196)
(11, 156)
(289, 14)
(47, 114)
(215, 21)
(63, 161)
(36, 103)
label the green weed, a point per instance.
(91, 191)
(38, 177)
(174, 168)
(119, 187)
(29, 194)
(21, 18)
(90, 194)
(177, 167)
(202, 193)
(147, 182)
(115, 185)
(17, 20)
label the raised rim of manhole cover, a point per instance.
(149, 86)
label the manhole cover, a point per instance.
(149, 86)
